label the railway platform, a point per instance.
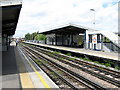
(18, 71)
(106, 55)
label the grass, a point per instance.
(107, 64)
(106, 61)
(86, 59)
(75, 57)
(38, 62)
(54, 75)
(51, 54)
(44, 61)
(71, 58)
(117, 67)
(56, 52)
(60, 72)
(63, 59)
(69, 54)
(102, 63)
(96, 62)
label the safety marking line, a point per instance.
(25, 79)
(38, 74)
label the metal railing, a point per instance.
(113, 47)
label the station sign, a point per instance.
(94, 39)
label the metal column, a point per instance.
(55, 39)
(85, 39)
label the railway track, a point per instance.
(69, 80)
(74, 64)
(107, 75)
(102, 73)
(79, 61)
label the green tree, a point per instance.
(40, 37)
(34, 35)
(27, 36)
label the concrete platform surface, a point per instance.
(108, 55)
(18, 71)
(10, 73)
(38, 77)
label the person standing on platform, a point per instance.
(17, 42)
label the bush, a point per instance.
(72, 59)
(56, 52)
(96, 62)
(50, 54)
(107, 64)
(38, 62)
(81, 58)
(62, 59)
(75, 57)
(102, 63)
(117, 67)
(87, 59)
(69, 54)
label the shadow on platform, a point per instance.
(12, 60)
(9, 65)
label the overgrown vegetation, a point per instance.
(71, 58)
(38, 62)
(106, 63)
(86, 59)
(54, 75)
(51, 54)
(117, 67)
(56, 52)
(106, 40)
(69, 54)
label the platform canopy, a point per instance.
(67, 29)
(10, 14)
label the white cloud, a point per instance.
(44, 14)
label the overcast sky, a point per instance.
(43, 15)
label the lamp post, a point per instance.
(94, 17)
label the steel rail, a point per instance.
(61, 77)
(110, 80)
(75, 74)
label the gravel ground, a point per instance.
(84, 74)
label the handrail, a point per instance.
(112, 46)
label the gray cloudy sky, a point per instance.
(42, 15)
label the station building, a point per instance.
(72, 35)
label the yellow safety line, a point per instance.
(26, 81)
(41, 78)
